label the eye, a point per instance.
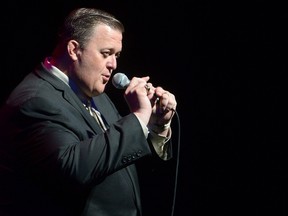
(106, 54)
(117, 55)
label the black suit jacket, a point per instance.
(55, 160)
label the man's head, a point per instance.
(89, 43)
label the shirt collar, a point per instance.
(55, 71)
(62, 76)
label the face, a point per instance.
(93, 65)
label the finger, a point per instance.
(168, 102)
(161, 103)
(164, 99)
(171, 103)
(137, 82)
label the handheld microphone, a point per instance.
(120, 81)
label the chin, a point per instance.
(98, 92)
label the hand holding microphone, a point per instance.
(136, 94)
(154, 105)
(121, 81)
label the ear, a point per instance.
(73, 48)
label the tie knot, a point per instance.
(88, 103)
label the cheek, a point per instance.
(91, 78)
(92, 68)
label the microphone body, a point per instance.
(120, 81)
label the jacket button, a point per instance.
(124, 160)
(129, 158)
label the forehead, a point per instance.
(107, 35)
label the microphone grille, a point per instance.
(120, 81)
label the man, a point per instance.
(65, 149)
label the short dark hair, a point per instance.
(80, 23)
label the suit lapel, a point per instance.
(70, 97)
(106, 108)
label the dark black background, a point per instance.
(224, 61)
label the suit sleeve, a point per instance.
(55, 140)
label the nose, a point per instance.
(112, 62)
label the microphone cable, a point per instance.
(177, 165)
